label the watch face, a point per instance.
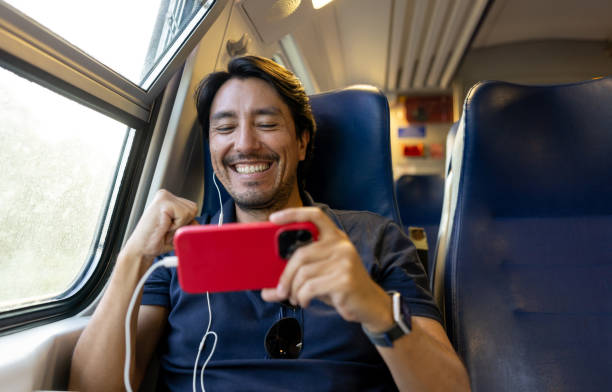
(403, 318)
(402, 326)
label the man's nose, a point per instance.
(246, 138)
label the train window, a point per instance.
(59, 160)
(135, 38)
(79, 82)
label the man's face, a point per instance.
(253, 144)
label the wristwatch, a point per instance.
(401, 326)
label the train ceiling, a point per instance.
(405, 46)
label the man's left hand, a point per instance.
(331, 270)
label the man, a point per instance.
(260, 132)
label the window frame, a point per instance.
(37, 54)
(22, 38)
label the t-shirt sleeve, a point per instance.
(156, 289)
(400, 269)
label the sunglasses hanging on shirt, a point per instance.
(284, 338)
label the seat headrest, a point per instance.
(351, 167)
(420, 198)
(562, 134)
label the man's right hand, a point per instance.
(98, 359)
(154, 232)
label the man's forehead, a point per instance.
(252, 95)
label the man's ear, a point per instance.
(303, 141)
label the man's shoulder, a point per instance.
(346, 217)
(358, 221)
(366, 215)
(363, 217)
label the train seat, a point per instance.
(420, 202)
(351, 168)
(524, 269)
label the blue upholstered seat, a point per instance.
(351, 169)
(524, 267)
(352, 156)
(420, 203)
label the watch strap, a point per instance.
(385, 339)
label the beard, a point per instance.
(256, 200)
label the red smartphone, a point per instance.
(237, 256)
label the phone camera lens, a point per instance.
(304, 236)
(289, 241)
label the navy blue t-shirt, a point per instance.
(336, 355)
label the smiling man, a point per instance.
(351, 310)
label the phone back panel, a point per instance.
(231, 257)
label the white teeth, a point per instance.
(248, 169)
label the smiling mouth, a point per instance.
(250, 168)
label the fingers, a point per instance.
(271, 295)
(314, 280)
(306, 214)
(155, 230)
(180, 211)
(176, 210)
(306, 266)
(299, 258)
(315, 288)
(329, 278)
(168, 245)
(309, 284)
(311, 253)
(184, 212)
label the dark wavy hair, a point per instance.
(282, 80)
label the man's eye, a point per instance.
(224, 128)
(266, 125)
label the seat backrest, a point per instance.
(351, 169)
(525, 268)
(446, 203)
(420, 203)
